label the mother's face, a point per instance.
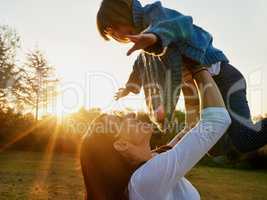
(128, 128)
(131, 136)
(135, 131)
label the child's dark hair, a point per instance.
(113, 13)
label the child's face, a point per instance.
(119, 33)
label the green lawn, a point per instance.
(26, 175)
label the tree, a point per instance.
(9, 73)
(39, 74)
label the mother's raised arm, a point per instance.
(172, 165)
(192, 106)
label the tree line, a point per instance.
(22, 132)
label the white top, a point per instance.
(162, 177)
(215, 69)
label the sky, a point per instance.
(91, 70)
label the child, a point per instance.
(160, 87)
(170, 41)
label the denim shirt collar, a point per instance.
(138, 15)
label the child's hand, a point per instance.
(121, 93)
(141, 41)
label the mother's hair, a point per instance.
(106, 173)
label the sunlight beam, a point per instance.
(22, 135)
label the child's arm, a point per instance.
(170, 26)
(170, 30)
(166, 25)
(158, 37)
(133, 84)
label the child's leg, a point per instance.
(242, 133)
(254, 138)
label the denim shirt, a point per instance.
(178, 30)
(158, 69)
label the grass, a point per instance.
(28, 175)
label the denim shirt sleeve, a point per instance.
(134, 82)
(169, 25)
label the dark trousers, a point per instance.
(242, 134)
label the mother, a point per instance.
(117, 162)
